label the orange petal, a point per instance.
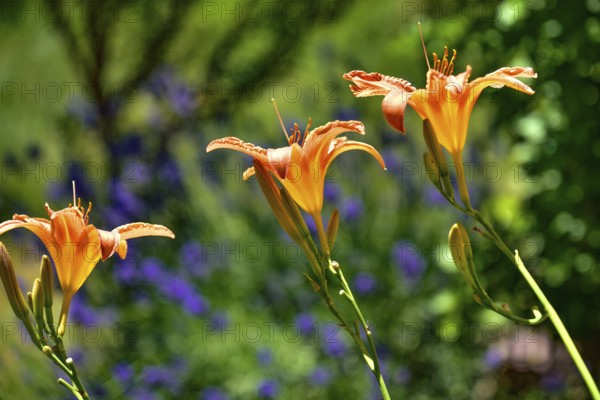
(506, 76)
(39, 226)
(67, 225)
(341, 145)
(140, 229)
(109, 242)
(234, 143)
(279, 160)
(393, 107)
(316, 144)
(122, 249)
(87, 255)
(248, 173)
(375, 84)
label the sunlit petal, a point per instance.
(140, 229)
(39, 226)
(375, 84)
(234, 143)
(342, 145)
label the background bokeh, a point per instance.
(123, 96)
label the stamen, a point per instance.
(296, 134)
(451, 64)
(281, 121)
(436, 61)
(445, 61)
(423, 43)
(306, 132)
(86, 216)
(73, 183)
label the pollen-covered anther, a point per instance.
(443, 65)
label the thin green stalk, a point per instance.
(560, 327)
(370, 357)
(552, 314)
(322, 234)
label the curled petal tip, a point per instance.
(394, 104)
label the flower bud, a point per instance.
(9, 280)
(460, 247)
(432, 169)
(433, 145)
(47, 278)
(332, 227)
(273, 196)
(37, 295)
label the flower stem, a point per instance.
(322, 235)
(375, 367)
(370, 354)
(462, 180)
(560, 328)
(552, 314)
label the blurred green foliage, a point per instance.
(123, 97)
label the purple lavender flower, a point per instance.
(195, 304)
(306, 323)
(152, 269)
(264, 356)
(312, 227)
(191, 258)
(159, 376)
(333, 344)
(182, 99)
(320, 376)
(392, 161)
(493, 358)
(364, 283)
(124, 373)
(352, 209)
(126, 272)
(331, 192)
(80, 312)
(142, 394)
(432, 196)
(213, 393)
(409, 261)
(125, 201)
(268, 388)
(179, 289)
(220, 319)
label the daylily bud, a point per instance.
(433, 145)
(38, 300)
(460, 247)
(461, 178)
(432, 169)
(9, 280)
(290, 206)
(313, 283)
(273, 196)
(47, 278)
(332, 227)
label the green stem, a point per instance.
(370, 356)
(462, 180)
(322, 234)
(552, 314)
(376, 368)
(561, 329)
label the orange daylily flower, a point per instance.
(76, 246)
(301, 166)
(446, 101)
